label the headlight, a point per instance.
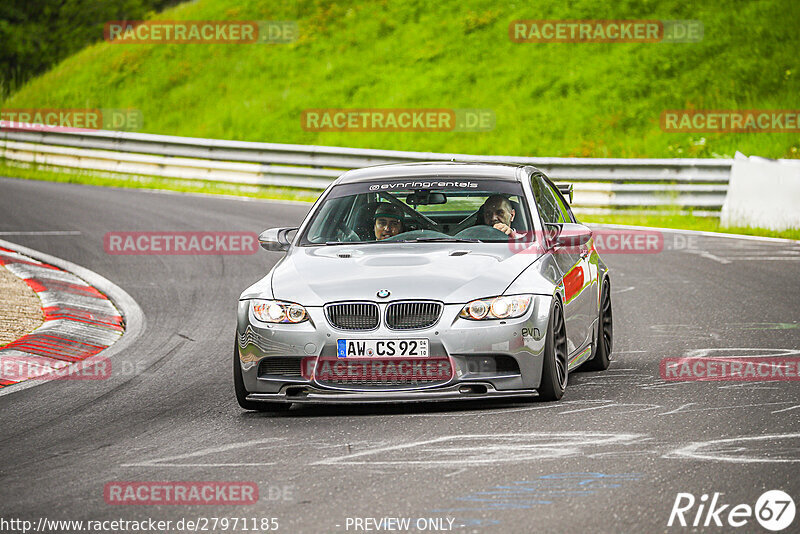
(505, 307)
(276, 311)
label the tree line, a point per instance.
(37, 34)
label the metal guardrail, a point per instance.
(600, 184)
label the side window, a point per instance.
(547, 201)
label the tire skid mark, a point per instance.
(741, 449)
(456, 453)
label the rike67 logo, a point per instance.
(774, 510)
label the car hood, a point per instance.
(449, 272)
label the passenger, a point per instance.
(388, 221)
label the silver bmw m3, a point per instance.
(425, 281)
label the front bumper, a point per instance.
(517, 343)
(463, 391)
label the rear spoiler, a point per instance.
(566, 190)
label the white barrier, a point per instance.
(762, 193)
(601, 185)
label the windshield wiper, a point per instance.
(443, 240)
(327, 243)
(415, 240)
(368, 242)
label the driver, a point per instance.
(388, 221)
(498, 213)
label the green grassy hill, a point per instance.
(558, 99)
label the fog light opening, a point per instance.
(473, 389)
(297, 391)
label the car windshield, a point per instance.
(440, 209)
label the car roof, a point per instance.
(497, 171)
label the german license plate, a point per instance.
(380, 348)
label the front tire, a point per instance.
(241, 392)
(603, 341)
(555, 368)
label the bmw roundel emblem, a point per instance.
(383, 293)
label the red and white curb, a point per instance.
(80, 322)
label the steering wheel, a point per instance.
(482, 231)
(468, 222)
(414, 234)
(421, 218)
(346, 235)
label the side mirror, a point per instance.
(568, 234)
(566, 191)
(275, 239)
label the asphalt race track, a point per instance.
(612, 456)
